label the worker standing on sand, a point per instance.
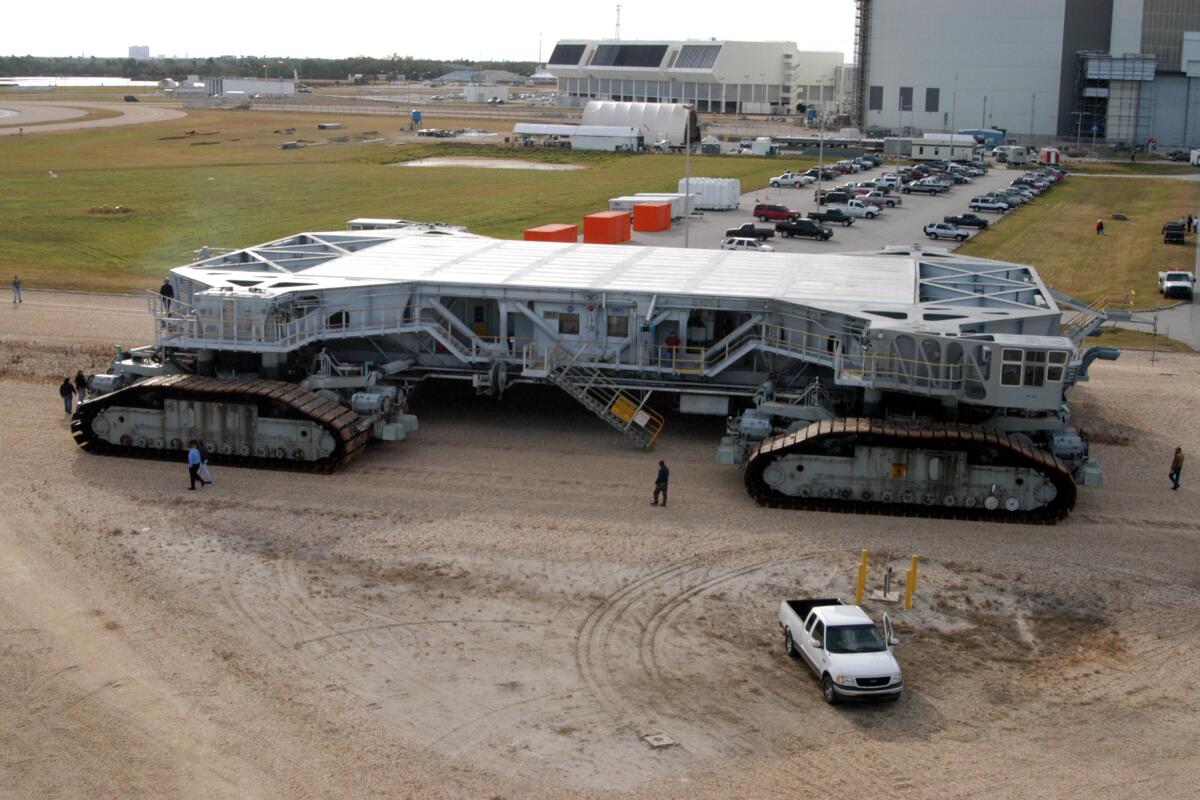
(81, 386)
(660, 484)
(1176, 467)
(1099, 227)
(67, 391)
(168, 294)
(16, 284)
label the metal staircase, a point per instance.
(608, 401)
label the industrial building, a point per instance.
(713, 76)
(1127, 71)
(139, 52)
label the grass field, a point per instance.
(1157, 167)
(1127, 339)
(1057, 234)
(242, 189)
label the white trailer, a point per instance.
(716, 194)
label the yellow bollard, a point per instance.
(862, 577)
(910, 584)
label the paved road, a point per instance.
(29, 113)
(899, 226)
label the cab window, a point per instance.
(818, 633)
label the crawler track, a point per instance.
(979, 443)
(349, 430)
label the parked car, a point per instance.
(766, 211)
(857, 208)
(836, 196)
(1176, 283)
(849, 165)
(966, 221)
(131, 98)
(1174, 233)
(922, 188)
(793, 179)
(842, 647)
(832, 215)
(746, 244)
(988, 204)
(878, 198)
(944, 230)
(749, 230)
(1177, 155)
(804, 227)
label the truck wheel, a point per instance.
(775, 184)
(933, 236)
(789, 646)
(960, 238)
(828, 691)
(847, 223)
(870, 215)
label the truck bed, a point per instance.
(801, 607)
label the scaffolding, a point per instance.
(1114, 96)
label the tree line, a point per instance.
(156, 69)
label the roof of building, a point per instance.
(898, 286)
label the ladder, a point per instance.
(608, 401)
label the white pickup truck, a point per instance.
(842, 646)
(794, 179)
(858, 208)
(1176, 283)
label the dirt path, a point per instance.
(492, 609)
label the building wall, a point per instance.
(1163, 24)
(1087, 25)
(1175, 122)
(1126, 27)
(1003, 54)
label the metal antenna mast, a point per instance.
(618, 37)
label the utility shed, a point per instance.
(555, 232)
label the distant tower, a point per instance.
(618, 36)
(139, 51)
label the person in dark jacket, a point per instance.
(168, 293)
(660, 484)
(81, 386)
(1176, 468)
(67, 391)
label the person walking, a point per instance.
(660, 484)
(1176, 467)
(1099, 227)
(81, 383)
(16, 284)
(1191, 223)
(194, 463)
(67, 391)
(167, 291)
(205, 475)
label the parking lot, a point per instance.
(895, 226)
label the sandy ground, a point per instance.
(30, 112)
(490, 163)
(492, 609)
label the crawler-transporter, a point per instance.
(908, 380)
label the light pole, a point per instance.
(687, 175)
(954, 105)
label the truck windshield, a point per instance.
(854, 639)
(1177, 276)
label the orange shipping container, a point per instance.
(606, 227)
(651, 217)
(553, 233)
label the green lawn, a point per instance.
(244, 190)
(1156, 167)
(1057, 234)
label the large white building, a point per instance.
(1030, 67)
(715, 76)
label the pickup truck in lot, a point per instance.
(793, 179)
(944, 230)
(963, 221)
(843, 648)
(1176, 283)
(804, 227)
(749, 230)
(988, 204)
(918, 186)
(831, 216)
(857, 208)
(1174, 233)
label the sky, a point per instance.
(470, 29)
